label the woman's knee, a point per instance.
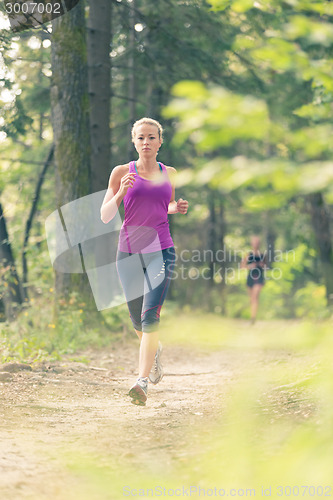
(150, 319)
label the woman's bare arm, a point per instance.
(181, 205)
(119, 182)
(244, 264)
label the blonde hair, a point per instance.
(148, 121)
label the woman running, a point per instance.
(255, 262)
(146, 253)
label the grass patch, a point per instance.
(35, 336)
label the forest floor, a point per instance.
(59, 417)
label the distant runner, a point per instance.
(255, 262)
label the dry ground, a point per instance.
(60, 410)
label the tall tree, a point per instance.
(70, 120)
(99, 71)
(131, 73)
(321, 226)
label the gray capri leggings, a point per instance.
(145, 278)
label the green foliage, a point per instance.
(220, 117)
(285, 294)
(187, 33)
(16, 121)
(292, 80)
(34, 336)
(279, 147)
(310, 301)
(288, 292)
(220, 4)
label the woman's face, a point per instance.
(255, 242)
(146, 140)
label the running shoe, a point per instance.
(157, 372)
(139, 391)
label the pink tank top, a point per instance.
(146, 227)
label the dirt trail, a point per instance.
(70, 406)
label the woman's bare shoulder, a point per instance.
(121, 169)
(171, 170)
(117, 173)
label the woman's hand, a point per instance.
(126, 182)
(182, 206)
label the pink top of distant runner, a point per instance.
(146, 226)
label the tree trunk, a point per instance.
(212, 234)
(270, 240)
(99, 78)
(222, 231)
(99, 74)
(70, 120)
(40, 77)
(131, 75)
(11, 296)
(320, 218)
(216, 234)
(30, 219)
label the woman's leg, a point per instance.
(148, 348)
(254, 297)
(139, 334)
(131, 275)
(158, 269)
(158, 274)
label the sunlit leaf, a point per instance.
(242, 5)
(220, 4)
(315, 112)
(263, 201)
(304, 27)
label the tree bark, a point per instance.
(99, 74)
(320, 218)
(70, 120)
(222, 231)
(216, 234)
(270, 240)
(212, 234)
(11, 296)
(131, 76)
